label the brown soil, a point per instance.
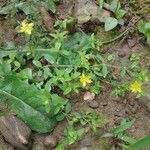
(114, 108)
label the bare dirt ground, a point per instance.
(114, 108)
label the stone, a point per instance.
(38, 142)
(38, 147)
(4, 145)
(124, 50)
(132, 42)
(15, 131)
(84, 148)
(94, 104)
(88, 96)
(104, 103)
(87, 10)
(50, 141)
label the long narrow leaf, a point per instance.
(128, 139)
(29, 103)
(123, 127)
(143, 143)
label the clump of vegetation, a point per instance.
(144, 27)
(88, 121)
(124, 141)
(32, 74)
(118, 14)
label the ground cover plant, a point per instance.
(60, 57)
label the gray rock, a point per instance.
(38, 147)
(104, 103)
(16, 132)
(50, 141)
(94, 104)
(38, 142)
(124, 50)
(4, 145)
(86, 10)
(132, 42)
(84, 148)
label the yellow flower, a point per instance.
(84, 60)
(136, 87)
(26, 27)
(85, 80)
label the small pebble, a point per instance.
(125, 101)
(94, 104)
(121, 53)
(88, 96)
(104, 104)
(50, 141)
(84, 148)
(132, 42)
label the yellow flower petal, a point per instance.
(136, 87)
(26, 27)
(85, 80)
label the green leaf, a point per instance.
(120, 13)
(50, 5)
(56, 111)
(80, 132)
(48, 86)
(123, 127)
(67, 90)
(4, 67)
(110, 23)
(5, 10)
(60, 117)
(143, 143)
(47, 73)
(77, 41)
(37, 63)
(68, 108)
(17, 64)
(141, 27)
(29, 103)
(115, 5)
(128, 139)
(26, 8)
(101, 3)
(104, 67)
(25, 74)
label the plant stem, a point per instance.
(116, 38)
